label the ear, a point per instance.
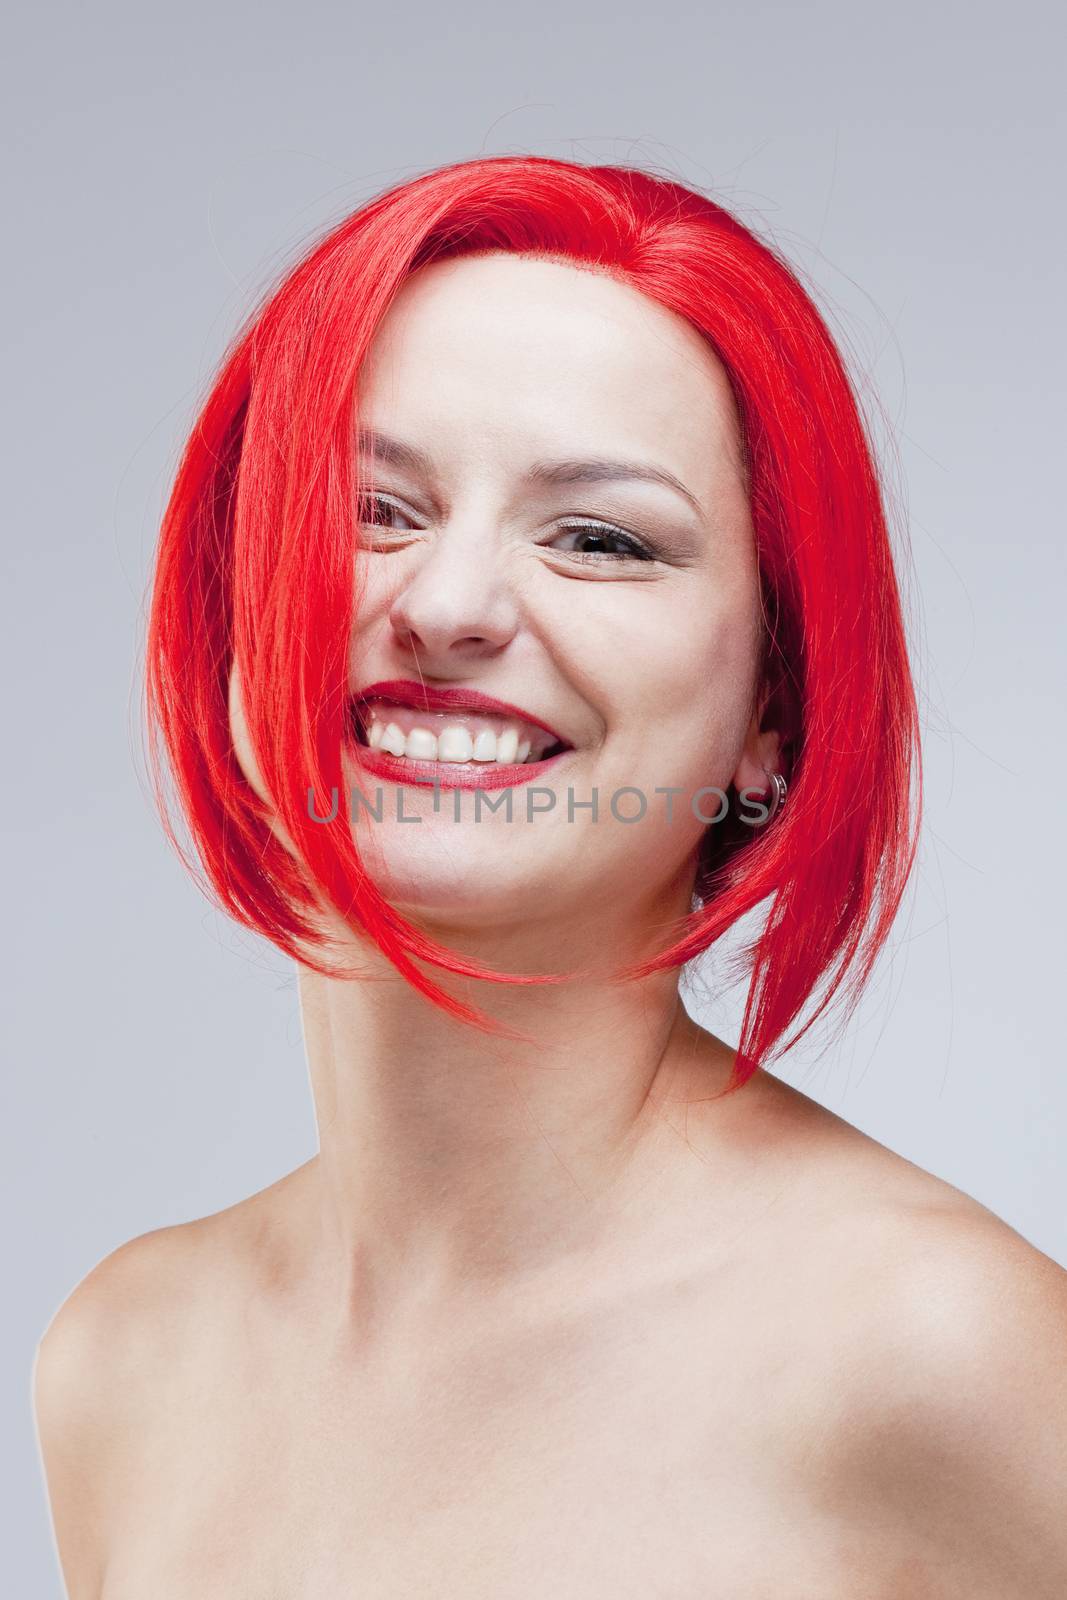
(762, 753)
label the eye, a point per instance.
(627, 548)
(611, 544)
(368, 507)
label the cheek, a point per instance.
(380, 581)
(686, 681)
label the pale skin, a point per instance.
(550, 1319)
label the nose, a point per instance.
(456, 605)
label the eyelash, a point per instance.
(634, 551)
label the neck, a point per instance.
(455, 1166)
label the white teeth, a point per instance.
(454, 743)
(421, 745)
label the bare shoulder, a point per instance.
(845, 1174)
(112, 1333)
(121, 1345)
(948, 1404)
(91, 1369)
(131, 1312)
(961, 1394)
(112, 1316)
(946, 1276)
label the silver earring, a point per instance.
(778, 786)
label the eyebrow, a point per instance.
(599, 470)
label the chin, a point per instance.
(484, 885)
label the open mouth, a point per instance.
(453, 740)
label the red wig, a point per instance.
(255, 565)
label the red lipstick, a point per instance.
(453, 774)
(423, 697)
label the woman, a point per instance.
(524, 614)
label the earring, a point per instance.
(778, 785)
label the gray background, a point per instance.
(163, 164)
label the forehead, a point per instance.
(519, 355)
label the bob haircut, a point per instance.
(255, 564)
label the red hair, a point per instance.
(255, 565)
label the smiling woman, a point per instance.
(561, 340)
(535, 513)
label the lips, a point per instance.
(437, 706)
(427, 698)
(447, 775)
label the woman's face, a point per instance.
(617, 608)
